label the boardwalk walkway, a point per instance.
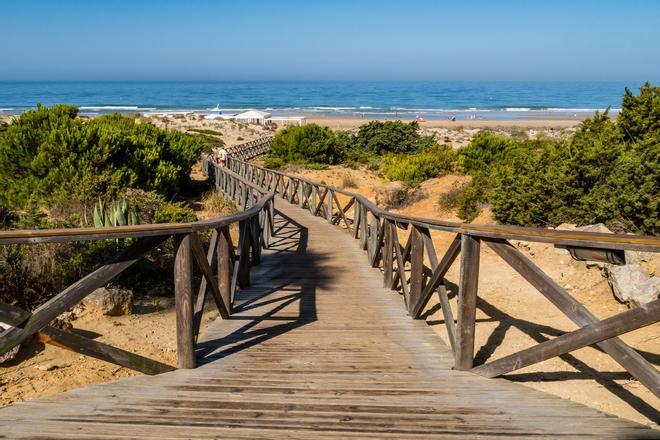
(316, 348)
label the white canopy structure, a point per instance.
(253, 116)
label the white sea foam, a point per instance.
(517, 109)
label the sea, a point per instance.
(460, 100)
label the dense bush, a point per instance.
(607, 172)
(484, 150)
(390, 137)
(415, 168)
(307, 144)
(50, 156)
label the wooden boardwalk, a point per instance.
(315, 348)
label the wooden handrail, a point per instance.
(256, 226)
(404, 269)
(561, 237)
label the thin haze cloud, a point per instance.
(358, 39)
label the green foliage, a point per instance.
(307, 144)
(378, 137)
(273, 163)
(639, 119)
(473, 198)
(120, 213)
(484, 150)
(50, 156)
(608, 172)
(415, 168)
(174, 212)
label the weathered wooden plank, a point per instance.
(244, 243)
(185, 338)
(416, 269)
(200, 300)
(628, 358)
(203, 262)
(388, 255)
(437, 277)
(225, 266)
(98, 350)
(400, 264)
(16, 316)
(467, 302)
(625, 322)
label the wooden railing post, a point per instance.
(467, 302)
(388, 255)
(225, 268)
(416, 267)
(244, 261)
(329, 205)
(184, 304)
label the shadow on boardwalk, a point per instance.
(278, 288)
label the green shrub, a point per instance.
(473, 198)
(413, 169)
(51, 156)
(274, 163)
(307, 144)
(378, 137)
(484, 150)
(174, 212)
(449, 200)
(607, 172)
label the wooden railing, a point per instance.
(224, 268)
(415, 270)
(250, 150)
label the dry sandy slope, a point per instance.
(513, 315)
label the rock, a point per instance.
(111, 302)
(11, 354)
(47, 367)
(598, 227)
(632, 284)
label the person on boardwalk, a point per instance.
(222, 157)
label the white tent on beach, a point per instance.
(253, 116)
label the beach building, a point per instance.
(253, 116)
(286, 120)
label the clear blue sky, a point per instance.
(356, 39)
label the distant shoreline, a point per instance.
(346, 122)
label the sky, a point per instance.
(329, 40)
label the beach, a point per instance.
(348, 122)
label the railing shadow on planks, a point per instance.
(414, 269)
(223, 266)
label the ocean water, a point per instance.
(383, 99)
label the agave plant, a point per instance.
(119, 213)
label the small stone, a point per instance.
(111, 302)
(47, 367)
(632, 284)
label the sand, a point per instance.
(346, 122)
